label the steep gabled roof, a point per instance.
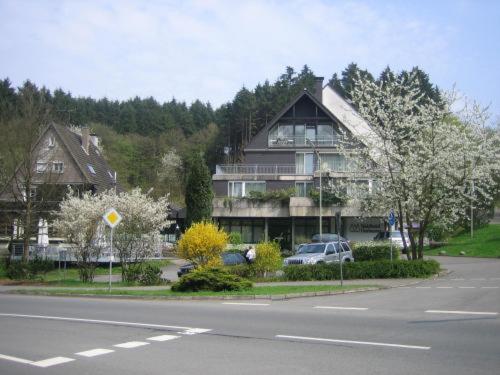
(103, 178)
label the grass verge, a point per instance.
(485, 243)
(255, 291)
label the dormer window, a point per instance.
(91, 168)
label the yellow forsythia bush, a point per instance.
(203, 244)
(268, 258)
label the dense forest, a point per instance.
(149, 143)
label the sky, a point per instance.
(209, 49)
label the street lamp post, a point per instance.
(320, 189)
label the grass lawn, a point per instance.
(70, 277)
(486, 243)
(255, 291)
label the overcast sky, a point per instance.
(209, 49)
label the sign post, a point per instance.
(338, 218)
(392, 221)
(112, 218)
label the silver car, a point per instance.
(322, 252)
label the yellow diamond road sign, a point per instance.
(112, 218)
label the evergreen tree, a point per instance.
(198, 190)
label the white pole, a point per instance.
(111, 260)
(320, 201)
(472, 210)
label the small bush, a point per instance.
(382, 269)
(268, 258)
(235, 238)
(36, 267)
(131, 272)
(213, 279)
(374, 250)
(151, 274)
(246, 271)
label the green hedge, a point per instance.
(213, 279)
(374, 250)
(382, 269)
(34, 268)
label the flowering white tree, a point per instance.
(422, 157)
(78, 220)
(136, 237)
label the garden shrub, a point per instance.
(203, 244)
(243, 270)
(382, 269)
(235, 238)
(374, 250)
(36, 267)
(132, 272)
(212, 279)
(150, 274)
(267, 259)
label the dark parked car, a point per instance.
(229, 259)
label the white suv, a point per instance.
(321, 252)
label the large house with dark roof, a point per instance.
(284, 155)
(63, 157)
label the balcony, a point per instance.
(300, 141)
(259, 169)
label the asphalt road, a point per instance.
(446, 326)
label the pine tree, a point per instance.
(198, 190)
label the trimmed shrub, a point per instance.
(151, 274)
(213, 279)
(374, 250)
(132, 272)
(382, 269)
(267, 259)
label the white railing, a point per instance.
(301, 141)
(259, 169)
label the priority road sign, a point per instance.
(112, 218)
(392, 218)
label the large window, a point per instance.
(304, 163)
(251, 230)
(298, 134)
(243, 188)
(303, 188)
(333, 162)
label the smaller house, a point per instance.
(62, 157)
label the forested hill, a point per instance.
(139, 135)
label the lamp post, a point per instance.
(320, 189)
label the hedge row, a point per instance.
(362, 270)
(213, 279)
(374, 250)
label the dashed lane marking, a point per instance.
(52, 361)
(341, 308)
(423, 287)
(353, 342)
(94, 352)
(131, 344)
(444, 287)
(466, 287)
(163, 338)
(461, 312)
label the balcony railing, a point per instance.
(259, 169)
(301, 141)
(279, 169)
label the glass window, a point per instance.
(333, 162)
(311, 133)
(303, 188)
(91, 168)
(235, 189)
(254, 186)
(304, 163)
(285, 131)
(58, 167)
(41, 167)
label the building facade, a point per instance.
(285, 157)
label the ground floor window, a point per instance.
(251, 230)
(303, 188)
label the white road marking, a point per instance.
(444, 287)
(245, 304)
(163, 338)
(131, 344)
(423, 287)
(489, 287)
(461, 312)
(52, 361)
(111, 322)
(354, 342)
(15, 359)
(194, 331)
(94, 352)
(341, 308)
(466, 287)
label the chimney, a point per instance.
(95, 140)
(318, 88)
(85, 139)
